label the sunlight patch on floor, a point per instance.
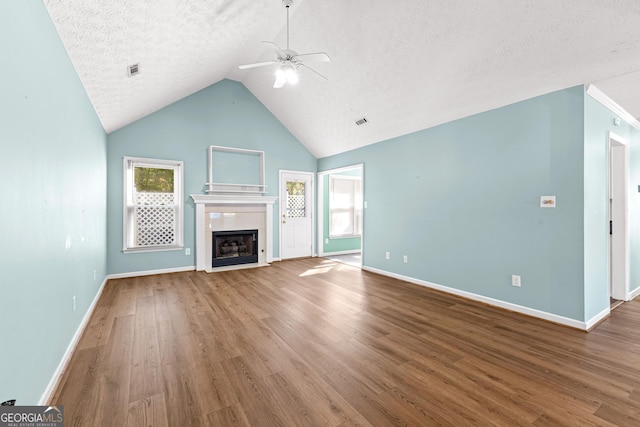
(324, 267)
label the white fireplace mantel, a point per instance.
(205, 201)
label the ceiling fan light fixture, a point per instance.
(285, 74)
(291, 75)
(281, 78)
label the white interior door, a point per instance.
(296, 214)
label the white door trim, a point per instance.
(618, 188)
(312, 198)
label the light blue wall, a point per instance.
(225, 114)
(52, 201)
(462, 201)
(598, 122)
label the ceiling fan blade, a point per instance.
(257, 64)
(276, 49)
(315, 57)
(309, 68)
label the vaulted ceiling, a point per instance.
(405, 65)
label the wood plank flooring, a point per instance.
(317, 343)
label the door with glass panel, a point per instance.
(296, 214)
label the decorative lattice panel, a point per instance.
(296, 206)
(143, 198)
(155, 219)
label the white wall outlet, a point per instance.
(387, 255)
(405, 258)
(94, 276)
(365, 205)
(73, 303)
(326, 241)
(187, 251)
(515, 281)
(547, 201)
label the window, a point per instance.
(296, 200)
(345, 202)
(153, 207)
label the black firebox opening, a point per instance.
(234, 247)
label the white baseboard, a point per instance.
(491, 301)
(53, 383)
(151, 272)
(633, 294)
(597, 318)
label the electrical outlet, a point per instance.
(187, 251)
(405, 259)
(73, 303)
(387, 255)
(326, 241)
(515, 281)
(94, 276)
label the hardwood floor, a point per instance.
(315, 342)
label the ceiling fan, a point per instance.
(289, 60)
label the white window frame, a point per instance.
(128, 224)
(356, 212)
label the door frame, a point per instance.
(320, 215)
(618, 259)
(312, 198)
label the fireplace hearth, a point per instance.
(234, 247)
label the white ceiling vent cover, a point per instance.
(133, 70)
(361, 121)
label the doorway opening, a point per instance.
(618, 221)
(341, 214)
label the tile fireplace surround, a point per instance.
(219, 212)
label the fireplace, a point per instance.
(234, 247)
(220, 212)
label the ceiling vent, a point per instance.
(362, 121)
(133, 70)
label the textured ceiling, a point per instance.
(406, 65)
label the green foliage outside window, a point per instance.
(295, 188)
(153, 180)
